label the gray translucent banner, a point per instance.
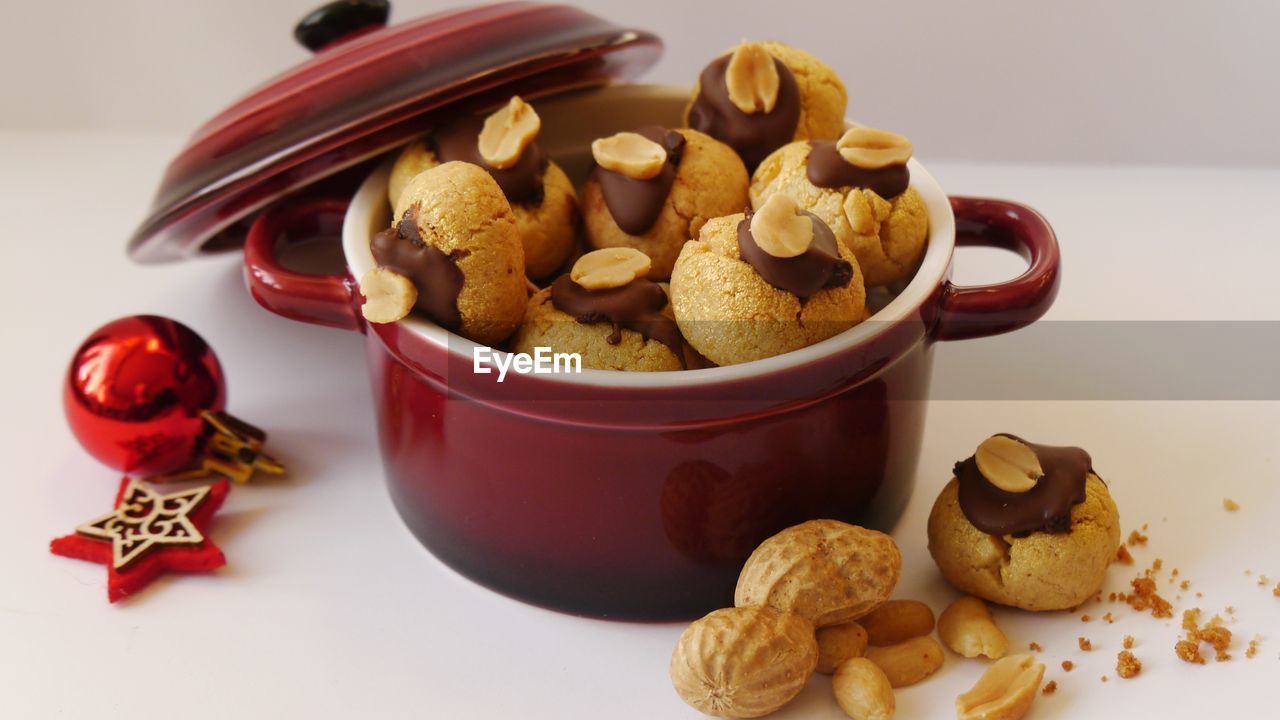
(1063, 360)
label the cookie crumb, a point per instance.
(1105, 678)
(1085, 618)
(1127, 666)
(1145, 597)
(1050, 687)
(1184, 584)
(1191, 618)
(1219, 638)
(1085, 643)
(1252, 649)
(1123, 557)
(1035, 647)
(1137, 538)
(1230, 505)
(1067, 665)
(1128, 642)
(1213, 633)
(1188, 651)
(1276, 592)
(1108, 617)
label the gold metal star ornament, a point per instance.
(144, 519)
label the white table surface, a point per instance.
(329, 608)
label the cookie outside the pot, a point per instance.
(1044, 548)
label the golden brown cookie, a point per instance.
(608, 312)
(731, 314)
(1040, 570)
(456, 240)
(545, 208)
(706, 180)
(802, 99)
(549, 327)
(888, 236)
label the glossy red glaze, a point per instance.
(980, 310)
(642, 503)
(134, 392)
(367, 94)
(318, 299)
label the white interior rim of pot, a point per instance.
(370, 212)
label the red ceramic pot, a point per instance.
(638, 495)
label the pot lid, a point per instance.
(369, 89)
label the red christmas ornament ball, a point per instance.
(135, 391)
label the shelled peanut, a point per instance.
(966, 626)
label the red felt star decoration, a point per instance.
(148, 534)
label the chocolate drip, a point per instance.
(635, 306)
(753, 135)
(1045, 507)
(818, 267)
(521, 183)
(436, 275)
(636, 204)
(829, 169)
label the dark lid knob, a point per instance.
(332, 22)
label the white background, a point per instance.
(329, 608)
(1098, 80)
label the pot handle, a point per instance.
(329, 300)
(970, 311)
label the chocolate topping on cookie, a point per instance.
(635, 306)
(1046, 507)
(753, 135)
(520, 183)
(635, 204)
(436, 275)
(827, 168)
(818, 266)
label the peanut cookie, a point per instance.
(1030, 526)
(456, 241)
(653, 189)
(759, 96)
(607, 311)
(541, 195)
(756, 286)
(859, 185)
